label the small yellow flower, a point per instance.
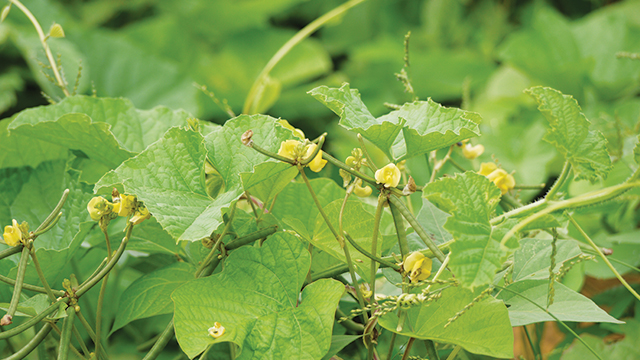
(503, 180)
(12, 234)
(472, 152)
(418, 266)
(141, 214)
(487, 168)
(361, 191)
(318, 162)
(296, 132)
(216, 330)
(99, 207)
(388, 175)
(126, 206)
(290, 149)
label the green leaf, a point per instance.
(18, 151)
(585, 150)
(432, 220)
(471, 199)
(354, 116)
(483, 329)
(149, 237)
(150, 294)
(425, 125)
(134, 129)
(626, 348)
(626, 248)
(338, 342)
(533, 258)
(268, 179)
(256, 299)
(567, 305)
(430, 126)
(169, 177)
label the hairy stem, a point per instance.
(562, 178)
(17, 289)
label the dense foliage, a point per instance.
(449, 176)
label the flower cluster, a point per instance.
(503, 180)
(13, 234)
(418, 266)
(122, 205)
(296, 150)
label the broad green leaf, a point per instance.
(134, 129)
(150, 294)
(268, 179)
(18, 151)
(295, 206)
(626, 348)
(256, 299)
(567, 305)
(354, 116)
(359, 223)
(482, 329)
(471, 199)
(430, 126)
(31, 196)
(230, 157)
(169, 177)
(338, 342)
(585, 150)
(626, 248)
(432, 221)
(533, 259)
(149, 237)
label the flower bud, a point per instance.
(361, 191)
(5, 12)
(472, 152)
(388, 175)
(99, 207)
(487, 168)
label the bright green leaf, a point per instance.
(18, 151)
(432, 221)
(585, 150)
(567, 305)
(268, 179)
(533, 258)
(482, 329)
(150, 294)
(256, 299)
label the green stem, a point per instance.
(255, 93)
(103, 289)
(553, 316)
(348, 323)
(10, 251)
(363, 146)
(374, 243)
(248, 239)
(17, 289)
(308, 159)
(416, 227)
(530, 187)
(34, 320)
(454, 353)
(89, 330)
(31, 345)
(405, 356)
(270, 154)
(374, 259)
(207, 261)
(400, 230)
(587, 199)
(391, 343)
(432, 354)
(597, 249)
(564, 174)
(43, 280)
(457, 166)
(65, 335)
(351, 171)
(534, 350)
(164, 338)
(54, 213)
(30, 287)
(48, 227)
(78, 337)
(253, 206)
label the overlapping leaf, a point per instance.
(470, 198)
(585, 150)
(425, 125)
(532, 259)
(482, 329)
(256, 299)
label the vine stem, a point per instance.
(162, 341)
(43, 280)
(225, 231)
(103, 289)
(65, 335)
(562, 178)
(405, 356)
(454, 352)
(255, 93)
(597, 249)
(34, 320)
(17, 289)
(339, 238)
(553, 316)
(31, 345)
(43, 41)
(439, 164)
(374, 243)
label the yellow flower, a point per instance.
(12, 234)
(318, 162)
(296, 132)
(99, 207)
(487, 168)
(289, 149)
(142, 214)
(418, 266)
(472, 152)
(126, 206)
(503, 180)
(216, 330)
(361, 191)
(388, 175)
